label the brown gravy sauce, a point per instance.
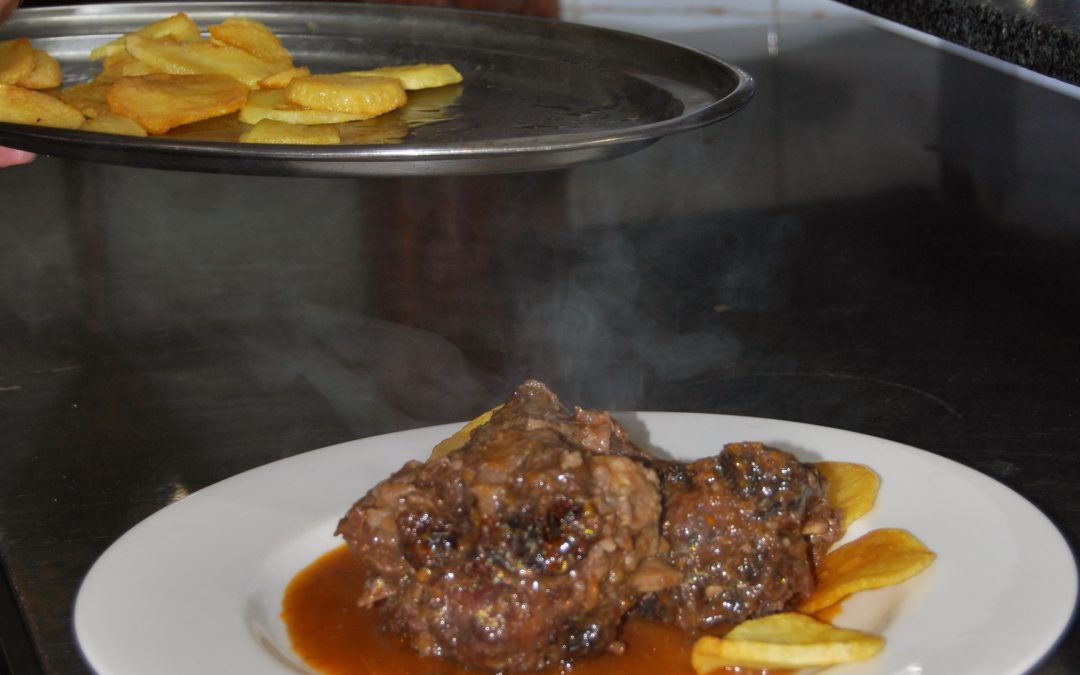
(336, 637)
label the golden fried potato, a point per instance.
(877, 559)
(853, 489)
(25, 106)
(108, 123)
(787, 640)
(122, 64)
(200, 58)
(417, 76)
(178, 27)
(462, 435)
(254, 38)
(271, 104)
(272, 131)
(146, 79)
(45, 74)
(282, 79)
(87, 97)
(161, 101)
(16, 60)
(342, 92)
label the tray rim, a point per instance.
(498, 155)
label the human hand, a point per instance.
(6, 8)
(11, 156)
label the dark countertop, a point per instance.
(1041, 35)
(885, 240)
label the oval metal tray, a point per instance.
(538, 93)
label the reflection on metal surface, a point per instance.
(773, 39)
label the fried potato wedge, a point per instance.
(853, 488)
(462, 435)
(787, 640)
(254, 38)
(877, 559)
(122, 64)
(179, 27)
(346, 93)
(26, 106)
(282, 79)
(108, 123)
(271, 104)
(16, 60)
(87, 97)
(417, 76)
(143, 82)
(272, 131)
(46, 73)
(162, 101)
(200, 58)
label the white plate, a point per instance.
(196, 588)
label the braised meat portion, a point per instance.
(745, 529)
(517, 551)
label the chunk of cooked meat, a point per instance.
(520, 549)
(745, 528)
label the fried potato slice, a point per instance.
(87, 97)
(122, 64)
(180, 27)
(254, 38)
(26, 106)
(161, 101)
(16, 60)
(787, 640)
(418, 75)
(853, 488)
(879, 558)
(462, 435)
(108, 123)
(282, 79)
(272, 131)
(347, 93)
(200, 58)
(271, 104)
(45, 74)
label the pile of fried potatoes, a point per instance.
(166, 75)
(805, 638)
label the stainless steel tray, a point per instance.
(538, 94)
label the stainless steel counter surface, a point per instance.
(885, 240)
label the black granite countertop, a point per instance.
(1041, 35)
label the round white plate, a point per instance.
(197, 587)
